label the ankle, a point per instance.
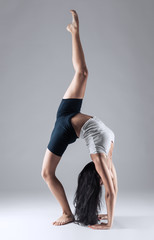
(68, 213)
(75, 32)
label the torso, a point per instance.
(77, 122)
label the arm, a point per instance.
(115, 182)
(103, 171)
(110, 204)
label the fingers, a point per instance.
(99, 226)
(102, 216)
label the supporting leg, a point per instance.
(50, 163)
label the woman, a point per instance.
(71, 124)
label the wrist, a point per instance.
(109, 225)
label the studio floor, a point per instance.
(30, 216)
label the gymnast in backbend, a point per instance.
(70, 125)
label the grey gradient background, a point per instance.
(36, 69)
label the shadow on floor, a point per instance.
(133, 222)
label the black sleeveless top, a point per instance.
(63, 132)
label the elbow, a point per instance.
(110, 195)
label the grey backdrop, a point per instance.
(36, 69)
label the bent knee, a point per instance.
(46, 174)
(83, 72)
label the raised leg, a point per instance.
(50, 163)
(77, 87)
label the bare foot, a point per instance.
(74, 26)
(64, 219)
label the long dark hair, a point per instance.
(87, 199)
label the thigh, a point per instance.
(77, 87)
(50, 162)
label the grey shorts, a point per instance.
(97, 136)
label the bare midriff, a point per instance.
(78, 120)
